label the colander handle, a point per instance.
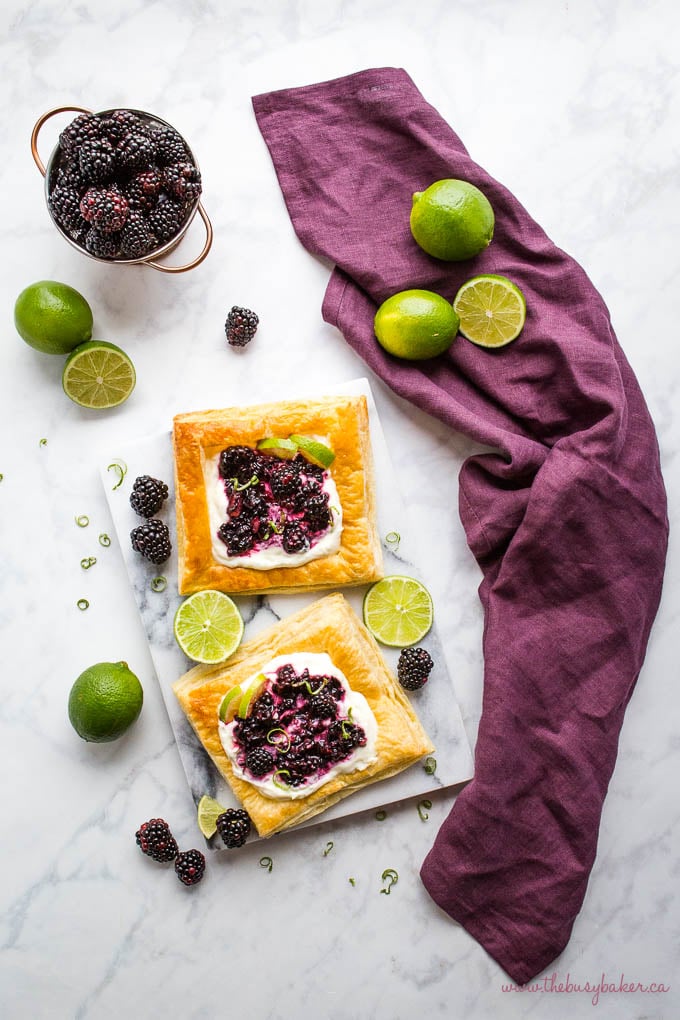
(39, 123)
(199, 258)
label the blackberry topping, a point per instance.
(165, 218)
(135, 151)
(295, 538)
(241, 326)
(64, 203)
(323, 707)
(237, 536)
(105, 208)
(156, 841)
(152, 540)
(183, 181)
(102, 246)
(309, 469)
(254, 503)
(97, 160)
(286, 674)
(259, 761)
(190, 866)
(233, 826)
(317, 513)
(148, 495)
(284, 481)
(238, 462)
(414, 668)
(251, 731)
(136, 240)
(169, 146)
(84, 127)
(144, 189)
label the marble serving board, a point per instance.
(435, 704)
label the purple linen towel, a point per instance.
(567, 520)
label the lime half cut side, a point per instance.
(492, 310)
(208, 627)
(98, 374)
(207, 813)
(398, 610)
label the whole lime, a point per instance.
(416, 324)
(105, 701)
(52, 317)
(452, 220)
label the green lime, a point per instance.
(208, 811)
(229, 704)
(52, 317)
(284, 448)
(398, 610)
(104, 701)
(492, 310)
(208, 627)
(251, 693)
(416, 324)
(98, 374)
(314, 451)
(452, 220)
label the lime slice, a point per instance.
(492, 310)
(208, 627)
(98, 374)
(229, 704)
(398, 610)
(284, 448)
(207, 813)
(314, 451)
(253, 690)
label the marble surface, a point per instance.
(574, 106)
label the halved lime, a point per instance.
(284, 448)
(398, 610)
(492, 310)
(252, 691)
(98, 374)
(314, 451)
(229, 704)
(208, 627)
(207, 813)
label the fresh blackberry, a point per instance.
(238, 462)
(241, 326)
(148, 495)
(259, 761)
(135, 151)
(254, 503)
(119, 123)
(189, 867)
(69, 175)
(233, 826)
(84, 127)
(285, 483)
(304, 765)
(251, 731)
(286, 674)
(136, 240)
(237, 536)
(165, 218)
(317, 513)
(414, 668)
(64, 204)
(156, 841)
(144, 189)
(323, 707)
(152, 540)
(262, 710)
(294, 539)
(102, 246)
(170, 147)
(97, 160)
(106, 209)
(183, 181)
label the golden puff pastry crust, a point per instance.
(327, 625)
(198, 436)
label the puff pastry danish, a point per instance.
(353, 557)
(328, 626)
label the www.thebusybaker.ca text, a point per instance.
(553, 984)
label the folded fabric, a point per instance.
(567, 520)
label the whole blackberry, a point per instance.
(414, 668)
(69, 175)
(119, 123)
(317, 513)
(152, 540)
(237, 536)
(136, 240)
(295, 538)
(148, 495)
(135, 151)
(233, 826)
(183, 181)
(259, 761)
(169, 146)
(241, 326)
(238, 462)
(84, 127)
(308, 469)
(97, 160)
(105, 208)
(102, 246)
(156, 841)
(189, 867)
(64, 204)
(323, 707)
(285, 483)
(144, 189)
(165, 218)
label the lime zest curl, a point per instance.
(381, 815)
(159, 584)
(430, 765)
(391, 877)
(82, 520)
(83, 604)
(104, 540)
(423, 807)
(120, 467)
(329, 847)
(266, 862)
(87, 562)
(43, 442)
(392, 539)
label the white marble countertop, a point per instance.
(574, 106)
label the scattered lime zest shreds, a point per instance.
(159, 583)
(392, 539)
(1, 476)
(352, 881)
(104, 540)
(281, 785)
(266, 862)
(430, 765)
(121, 468)
(82, 520)
(87, 562)
(329, 847)
(238, 487)
(423, 807)
(381, 815)
(43, 442)
(391, 877)
(83, 604)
